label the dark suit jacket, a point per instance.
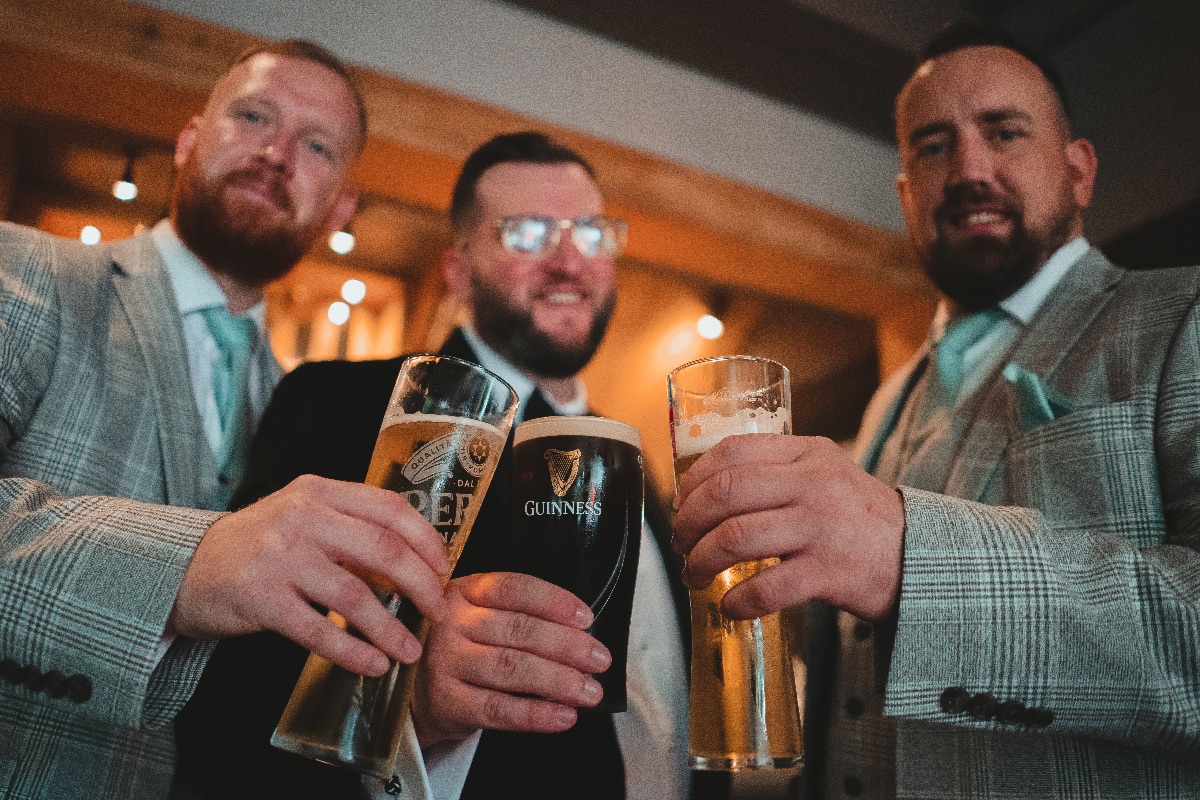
(323, 420)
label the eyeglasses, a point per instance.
(539, 235)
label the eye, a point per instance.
(251, 116)
(931, 149)
(524, 235)
(931, 146)
(1008, 134)
(320, 148)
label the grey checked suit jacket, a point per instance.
(1067, 578)
(99, 433)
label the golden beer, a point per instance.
(743, 709)
(442, 464)
(743, 694)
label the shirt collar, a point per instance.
(194, 287)
(1022, 304)
(521, 383)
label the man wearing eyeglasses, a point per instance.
(533, 262)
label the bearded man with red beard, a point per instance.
(1014, 560)
(131, 377)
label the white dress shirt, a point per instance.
(652, 733)
(195, 290)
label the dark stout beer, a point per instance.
(577, 522)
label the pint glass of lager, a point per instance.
(444, 429)
(577, 522)
(743, 695)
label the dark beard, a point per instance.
(512, 333)
(239, 242)
(983, 270)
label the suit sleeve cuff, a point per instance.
(438, 773)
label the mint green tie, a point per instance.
(235, 338)
(949, 373)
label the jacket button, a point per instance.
(854, 708)
(1039, 717)
(982, 707)
(33, 679)
(56, 684)
(954, 700)
(1011, 712)
(79, 688)
(853, 786)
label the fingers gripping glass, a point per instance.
(539, 236)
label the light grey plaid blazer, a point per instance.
(1067, 579)
(95, 405)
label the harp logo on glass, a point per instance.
(563, 466)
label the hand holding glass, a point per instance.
(444, 429)
(744, 713)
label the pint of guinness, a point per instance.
(577, 522)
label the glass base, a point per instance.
(378, 767)
(740, 762)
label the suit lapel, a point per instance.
(144, 291)
(885, 408)
(1065, 315)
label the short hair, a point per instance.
(526, 147)
(966, 33)
(311, 51)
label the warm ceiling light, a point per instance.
(90, 234)
(125, 189)
(710, 327)
(339, 312)
(353, 291)
(341, 242)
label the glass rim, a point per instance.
(716, 359)
(465, 363)
(528, 429)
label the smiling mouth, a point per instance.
(983, 218)
(562, 298)
(262, 188)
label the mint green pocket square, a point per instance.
(1037, 403)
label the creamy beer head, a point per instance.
(577, 426)
(696, 435)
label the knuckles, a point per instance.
(519, 630)
(507, 662)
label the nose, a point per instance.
(565, 258)
(973, 162)
(278, 151)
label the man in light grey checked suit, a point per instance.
(1020, 618)
(113, 431)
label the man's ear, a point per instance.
(904, 190)
(1082, 163)
(343, 208)
(186, 141)
(458, 274)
